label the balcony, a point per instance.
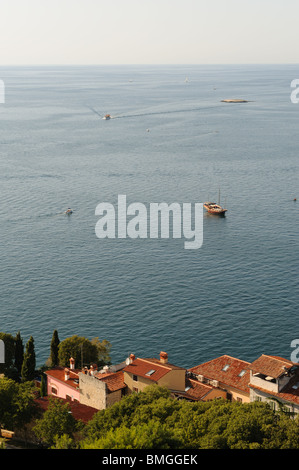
(263, 381)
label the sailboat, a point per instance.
(214, 208)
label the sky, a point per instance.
(68, 32)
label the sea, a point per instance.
(170, 138)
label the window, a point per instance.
(239, 399)
(287, 409)
(149, 373)
(242, 373)
(54, 391)
(135, 389)
(225, 367)
(135, 378)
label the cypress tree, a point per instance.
(28, 367)
(19, 352)
(54, 349)
(43, 387)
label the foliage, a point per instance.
(82, 350)
(43, 386)
(54, 349)
(28, 366)
(63, 442)
(19, 352)
(57, 421)
(17, 405)
(150, 435)
(153, 420)
(103, 348)
(126, 412)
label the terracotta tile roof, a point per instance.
(286, 395)
(168, 365)
(114, 380)
(80, 412)
(273, 366)
(226, 370)
(195, 390)
(58, 373)
(151, 369)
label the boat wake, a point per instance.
(156, 113)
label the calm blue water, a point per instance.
(170, 141)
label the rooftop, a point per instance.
(227, 370)
(114, 380)
(79, 411)
(58, 373)
(152, 369)
(273, 366)
(195, 390)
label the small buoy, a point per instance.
(295, 199)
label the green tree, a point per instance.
(17, 406)
(43, 386)
(19, 352)
(8, 391)
(84, 351)
(103, 348)
(63, 442)
(54, 349)
(131, 411)
(29, 362)
(57, 421)
(24, 405)
(152, 419)
(150, 435)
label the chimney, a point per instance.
(66, 374)
(132, 358)
(72, 363)
(163, 357)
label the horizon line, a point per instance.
(151, 64)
